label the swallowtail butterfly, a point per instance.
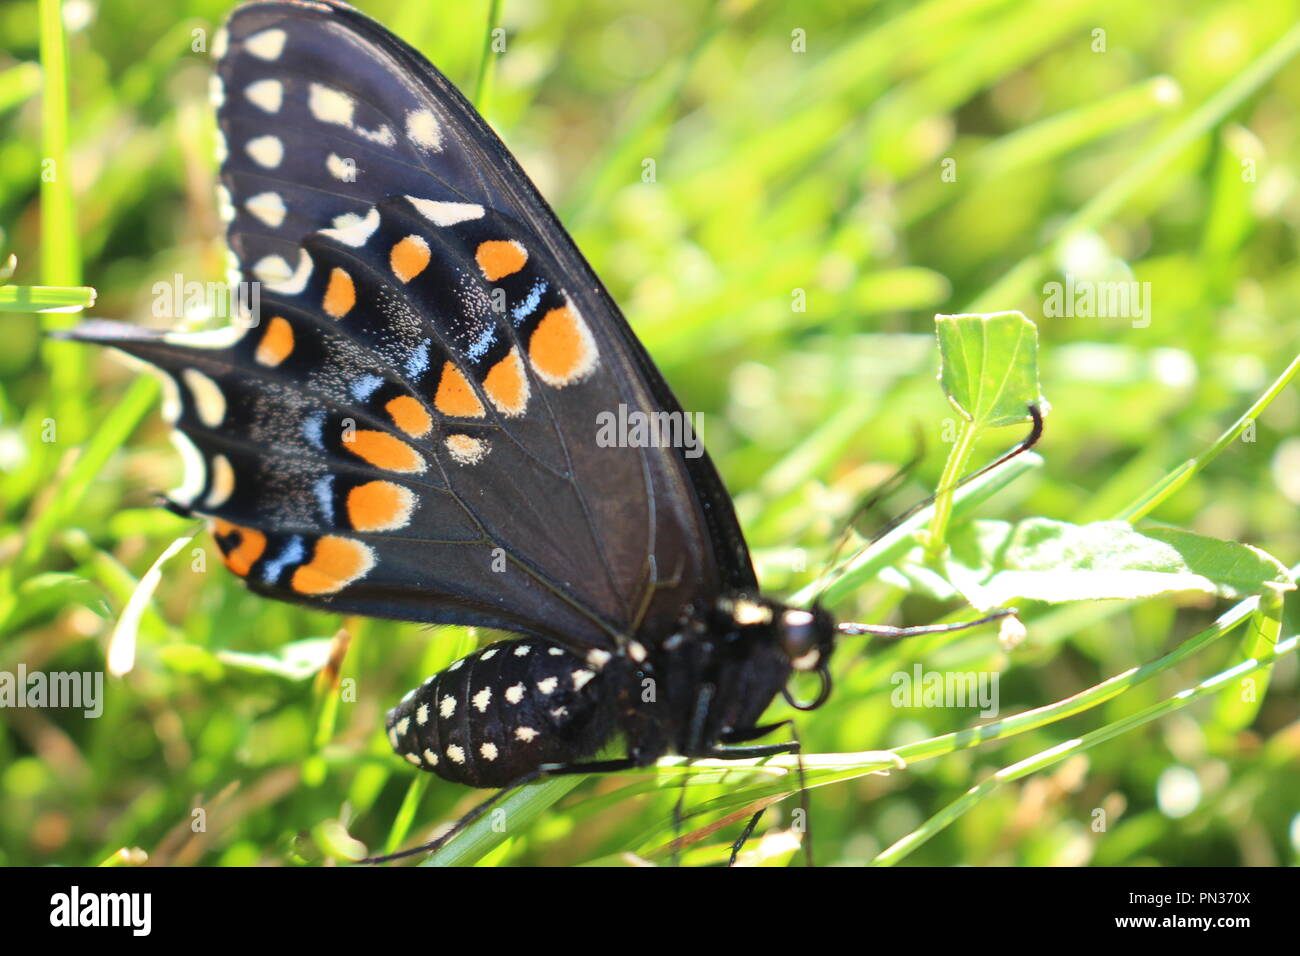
(407, 428)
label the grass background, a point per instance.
(776, 170)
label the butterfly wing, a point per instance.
(410, 426)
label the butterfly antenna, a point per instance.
(1028, 442)
(885, 633)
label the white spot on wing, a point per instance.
(268, 207)
(195, 475)
(515, 693)
(223, 482)
(216, 91)
(598, 658)
(422, 128)
(266, 95)
(431, 757)
(220, 43)
(329, 105)
(548, 685)
(422, 715)
(446, 213)
(522, 650)
(209, 402)
(526, 734)
(270, 269)
(413, 758)
(208, 338)
(383, 136)
(581, 678)
(266, 151)
(447, 706)
(267, 45)
(353, 230)
(488, 750)
(456, 754)
(297, 281)
(341, 169)
(225, 205)
(482, 699)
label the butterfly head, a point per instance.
(802, 639)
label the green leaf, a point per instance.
(296, 661)
(988, 366)
(45, 298)
(54, 590)
(993, 562)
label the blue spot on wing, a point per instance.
(313, 429)
(418, 363)
(365, 386)
(293, 553)
(480, 345)
(324, 492)
(526, 308)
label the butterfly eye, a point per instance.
(802, 639)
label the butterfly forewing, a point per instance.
(410, 427)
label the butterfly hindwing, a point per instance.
(409, 428)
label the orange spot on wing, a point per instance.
(409, 415)
(336, 563)
(507, 385)
(455, 396)
(340, 294)
(499, 258)
(561, 349)
(240, 547)
(277, 342)
(409, 257)
(379, 506)
(384, 451)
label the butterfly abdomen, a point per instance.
(500, 713)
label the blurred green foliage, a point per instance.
(909, 159)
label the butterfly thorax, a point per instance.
(718, 672)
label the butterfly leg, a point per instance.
(765, 750)
(745, 834)
(753, 733)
